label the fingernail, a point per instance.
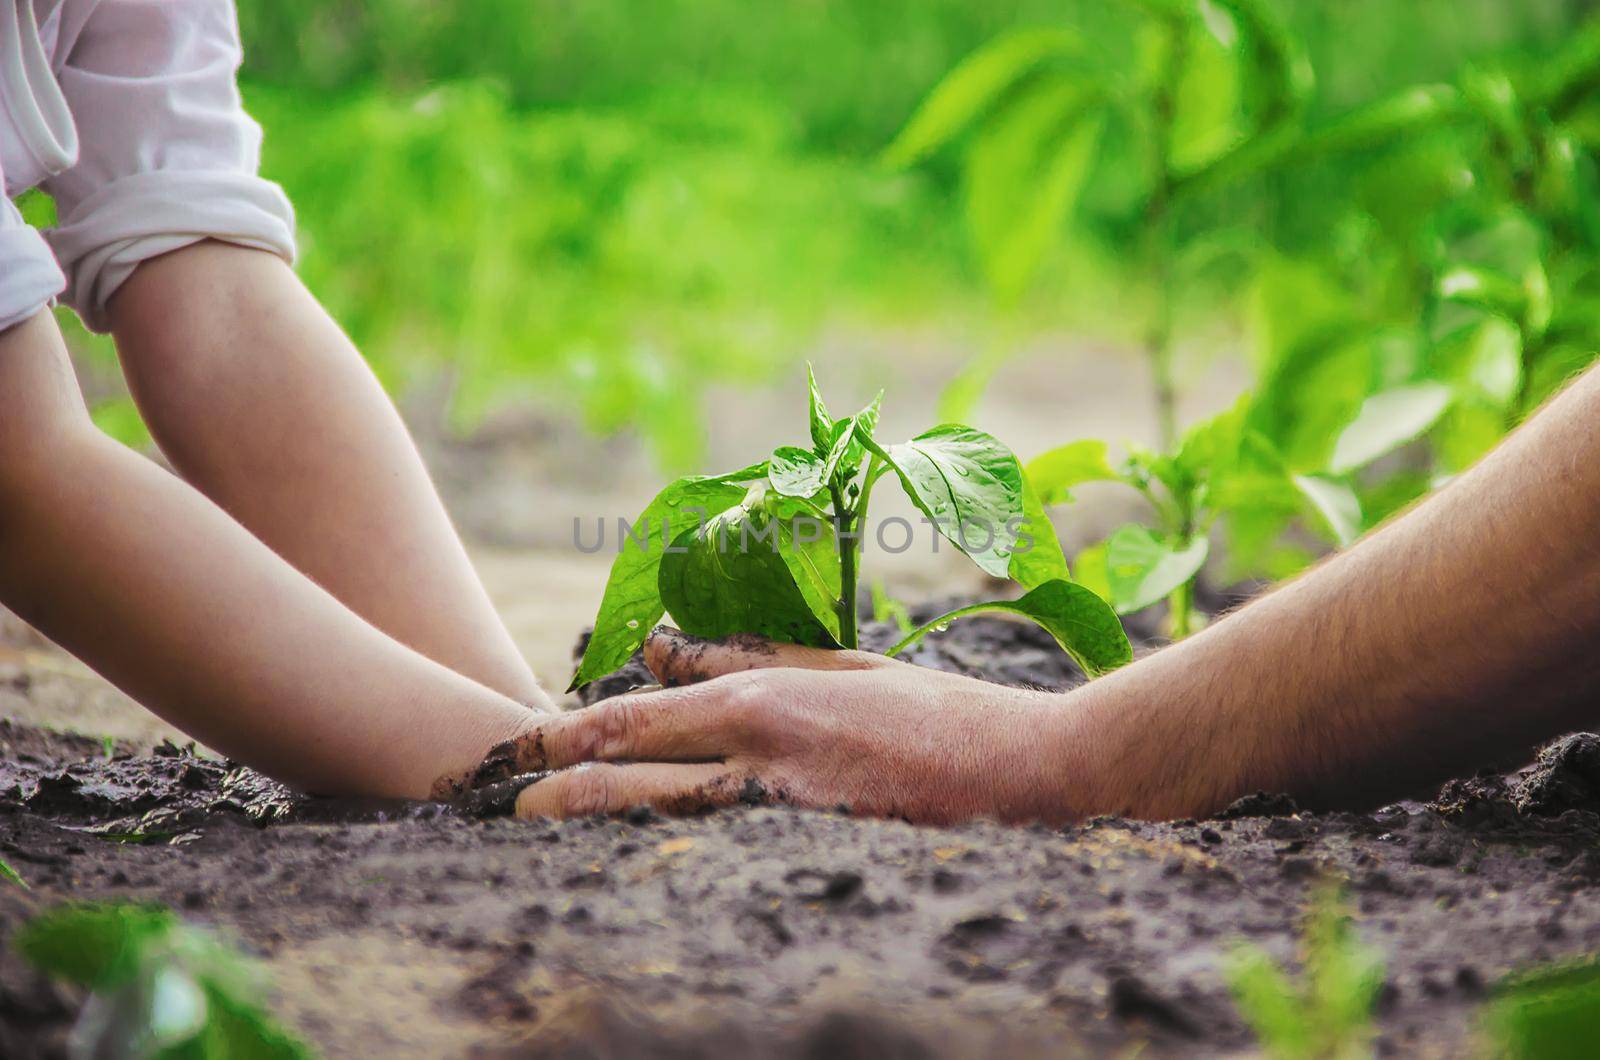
(673, 633)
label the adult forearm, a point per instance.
(1459, 634)
(261, 402)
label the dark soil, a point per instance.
(407, 929)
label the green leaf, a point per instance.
(1143, 569)
(12, 875)
(886, 608)
(796, 472)
(1269, 1002)
(1407, 113)
(810, 549)
(1484, 289)
(1036, 555)
(1336, 504)
(974, 86)
(1024, 172)
(849, 444)
(1548, 1012)
(733, 576)
(163, 988)
(821, 422)
(1387, 421)
(1079, 620)
(964, 479)
(745, 475)
(1329, 1012)
(1054, 472)
(1206, 112)
(93, 945)
(1493, 365)
(1090, 571)
(631, 604)
(240, 1030)
(1279, 78)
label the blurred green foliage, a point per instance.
(619, 201)
(1326, 1012)
(158, 987)
(612, 204)
(1448, 286)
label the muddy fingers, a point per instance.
(677, 790)
(677, 658)
(504, 761)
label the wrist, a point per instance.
(1060, 759)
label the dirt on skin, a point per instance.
(410, 929)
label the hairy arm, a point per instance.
(261, 402)
(159, 590)
(1460, 634)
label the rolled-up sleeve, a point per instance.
(29, 278)
(167, 154)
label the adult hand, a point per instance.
(750, 720)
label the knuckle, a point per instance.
(747, 694)
(618, 728)
(587, 792)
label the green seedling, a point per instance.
(1221, 467)
(1327, 1015)
(775, 548)
(159, 988)
(11, 875)
(886, 608)
(1549, 1013)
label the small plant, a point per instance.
(775, 549)
(1220, 467)
(1328, 1014)
(160, 988)
(11, 875)
(1550, 1013)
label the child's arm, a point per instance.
(158, 589)
(261, 402)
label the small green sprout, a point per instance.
(11, 875)
(1222, 466)
(886, 608)
(775, 548)
(159, 988)
(1328, 1014)
(1551, 1013)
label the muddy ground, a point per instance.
(413, 930)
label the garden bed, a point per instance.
(417, 930)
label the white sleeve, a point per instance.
(29, 277)
(167, 155)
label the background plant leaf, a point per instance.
(1055, 471)
(1387, 421)
(970, 89)
(1335, 503)
(1143, 569)
(1024, 172)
